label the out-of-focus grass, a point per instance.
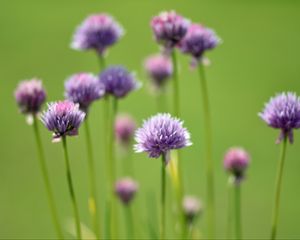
(259, 57)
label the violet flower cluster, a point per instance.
(63, 118)
(192, 208)
(83, 88)
(126, 189)
(98, 32)
(160, 134)
(118, 81)
(283, 112)
(159, 68)
(236, 161)
(30, 95)
(198, 40)
(169, 28)
(124, 129)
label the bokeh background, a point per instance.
(258, 58)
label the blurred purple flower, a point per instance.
(236, 161)
(198, 40)
(192, 208)
(169, 28)
(98, 32)
(283, 112)
(83, 88)
(30, 95)
(118, 81)
(159, 68)
(126, 189)
(63, 118)
(124, 129)
(160, 134)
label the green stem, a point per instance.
(102, 63)
(112, 168)
(229, 208)
(208, 148)
(176, 105)
(71, 188)
(129, 222)
(238, 225)
(163, 197)
(278, 189)
(93, 206)
(42, 161)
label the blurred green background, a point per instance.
(258, 58)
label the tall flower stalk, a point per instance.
(158, 136)
(126, 189)
(196, 42)
(278, 188)
(281, 112)
(64, 118)
(84, 89)
(30, 95)
(118, 82)
(71, 189)
(208, 154)
(236, 162)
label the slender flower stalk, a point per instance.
(236, 162)
(41, 157)
(237, 206)
(112, 168)
(278, 189)
(93, 203)
(158, 136)
(179, 188)
(64, 118)
(30, 95)
(71, 188)
(126, 189)
(163, 197)
(229, 208)
(192, 208)
(281, 112)
(208, 148)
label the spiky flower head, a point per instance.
(118, 81)
(283, 112)
(98, 32)
(83, 88)
(169, 28)
(192, 208)
(159, 68)
(126, 189)
(30, 95)
(160, 134)
(236, 161)
(124, 129)
(198, 40)
(63, 118)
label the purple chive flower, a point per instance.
(126, 189)
(169, 28)
(283, 112)
(63, 118)
(83, 88)
(30, 95)
(198, 40)
(159, 68)
(192, 208)
(124, 129)
(236, 161)
(118, 81)
(160, 134)
(98, 32)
